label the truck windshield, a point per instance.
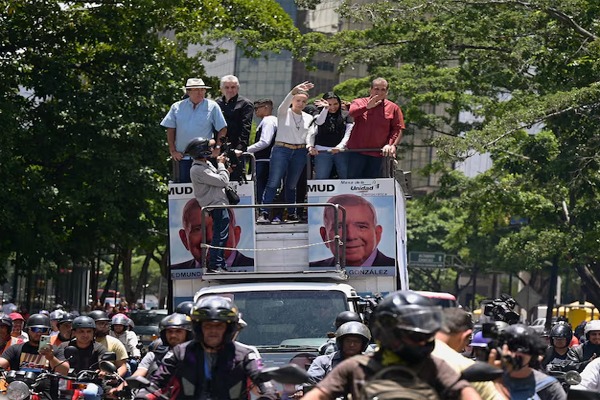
(288, 318)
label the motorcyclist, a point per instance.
(55, 316)
(520, 349)
(18, 322)
(352, 338)
(212, 365)
(404, 324)
(6, 340)
(583, 354)
(65, 329)
(345, 316)
(120, 330)
(112, 344)
(555, 357)
(174, 329)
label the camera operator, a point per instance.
(209, 189)
(521, 347)
(583, 354)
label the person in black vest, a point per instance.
(212, 365)
(266, 132)
(237, 111)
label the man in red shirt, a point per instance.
(378, 123)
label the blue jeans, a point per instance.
(287, 163)
(220, 234)
(361, 166)
(262, 176)
(324, 163)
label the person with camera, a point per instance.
(583, 354)
(521, 347)
(212, 365)
(404, 325)
(209, 184)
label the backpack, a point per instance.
(395, 382)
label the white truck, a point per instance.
(291, 293)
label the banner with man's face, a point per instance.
(185, 232)
(370, 225)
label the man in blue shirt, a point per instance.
(194, 117)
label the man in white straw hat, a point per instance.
(194, 117)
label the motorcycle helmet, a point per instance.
(523, 339)
(185, 307)
(593, 325)
(346, 316)
(56, 315)
(175, 320)
(83, 322)
(561, 331)
(68, 317)
(98, 315)
(15, 316)
(6, 321)
(120, 319)
(405, 322)
(353, 328)
(38, 321)
(215, 308)
(198, 148)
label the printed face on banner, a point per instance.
(370, 225)
(185, 231)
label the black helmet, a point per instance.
(185, 307)
(98, 315)
(215, 308)
(561, 330)
(198, 148)
(406, 314)
(346, 316)
(68, 317)
(83, 322)
(38, 321)
(523, 339)
(353, 328)
(175, 320)
(5, 320)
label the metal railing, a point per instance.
(388, 171)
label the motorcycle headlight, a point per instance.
(17, 390)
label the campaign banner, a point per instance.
(370, 225)
(185, 232)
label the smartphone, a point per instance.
(44, 341)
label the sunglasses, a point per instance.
(418, 337)
(37, 329)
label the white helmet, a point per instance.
(593, 325)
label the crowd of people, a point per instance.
(407, 345)
(339, 136)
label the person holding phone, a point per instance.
(34, 354)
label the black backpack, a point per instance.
(395, 382)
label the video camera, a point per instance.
(502, 309)
(233, 161)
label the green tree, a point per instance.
(85, 85)
(516, 67)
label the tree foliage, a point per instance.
(84, 87)
(527, 74)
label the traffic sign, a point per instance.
(425, 259)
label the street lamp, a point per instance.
(144, 293)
